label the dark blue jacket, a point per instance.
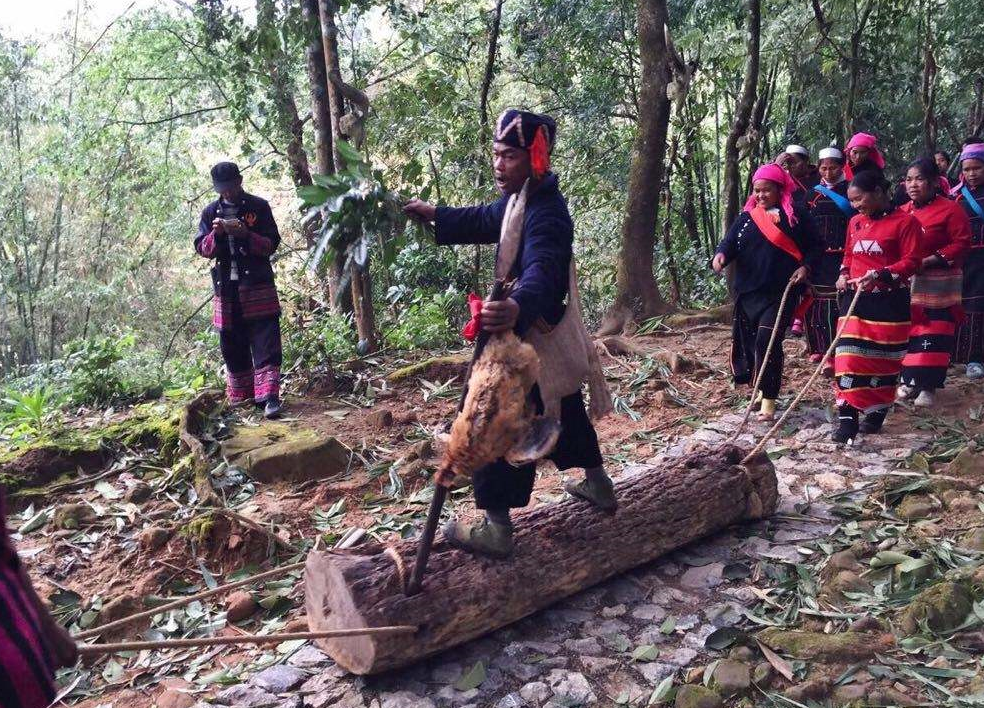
(544, 258)
(760, 266)
(252, 255)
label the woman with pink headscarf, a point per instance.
(863, 154)
(772, 242)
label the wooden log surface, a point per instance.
(561, 549)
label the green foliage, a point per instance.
(323, 337)
(356, 212)
(426, 323)
(28, 414)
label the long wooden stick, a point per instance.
(93, 649)
(191, 598)
(830, 350)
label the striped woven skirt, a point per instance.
(821, 318)
(868, 357)
(936, 312)
(970, 333)
(27, 668)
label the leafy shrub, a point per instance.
(28, 414)
(325, 337)
(425, 323)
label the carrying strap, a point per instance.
(774, 234)
(840, 200)
(972, 202)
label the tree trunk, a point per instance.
(637, 295)
(281, 94)
(975, 116)
(929, 126)
(742, 114)
(365, 316)
(561, 549)
(318, 82)
(690, 176)
(329, 34)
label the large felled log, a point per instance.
(561, 549)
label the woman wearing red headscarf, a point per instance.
(936, 289)
(771, 242)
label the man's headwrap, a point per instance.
(532, 132)
(774, 173)
(864, 140)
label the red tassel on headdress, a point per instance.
(540, 153)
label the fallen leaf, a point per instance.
(472, 679)
(778, 663)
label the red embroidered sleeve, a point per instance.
(958, 229)
(206, 247)
(910, 252)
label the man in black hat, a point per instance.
(521, 151)
(239, 232)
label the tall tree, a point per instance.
(742, 113)
(637, 295)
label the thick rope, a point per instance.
(840, 330)
(95, 649)
(191, 598)
(765, 360)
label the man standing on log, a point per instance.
(541, 278)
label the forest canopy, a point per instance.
(107, 132)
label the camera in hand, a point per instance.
(229, 213)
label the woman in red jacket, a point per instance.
(937, 288)
(880, 255)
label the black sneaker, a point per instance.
(272, 408)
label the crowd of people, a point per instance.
(811, 235)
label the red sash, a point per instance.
(775, 235)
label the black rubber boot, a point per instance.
(847, 429)
(873, 422)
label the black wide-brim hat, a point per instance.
(226, 175)
(518, 128)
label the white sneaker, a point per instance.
(904, 392)
(975, 370)
(925, 399)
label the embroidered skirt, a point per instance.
(868, 357)
(970, 334)
(936, 312)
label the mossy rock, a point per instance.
(65, 452)
(438, 367)
(274, 452)
(199, 528)
(46, 459)
(916, 506)
(150, 426)
(817, 645)
(694, 696)
(943, 607)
